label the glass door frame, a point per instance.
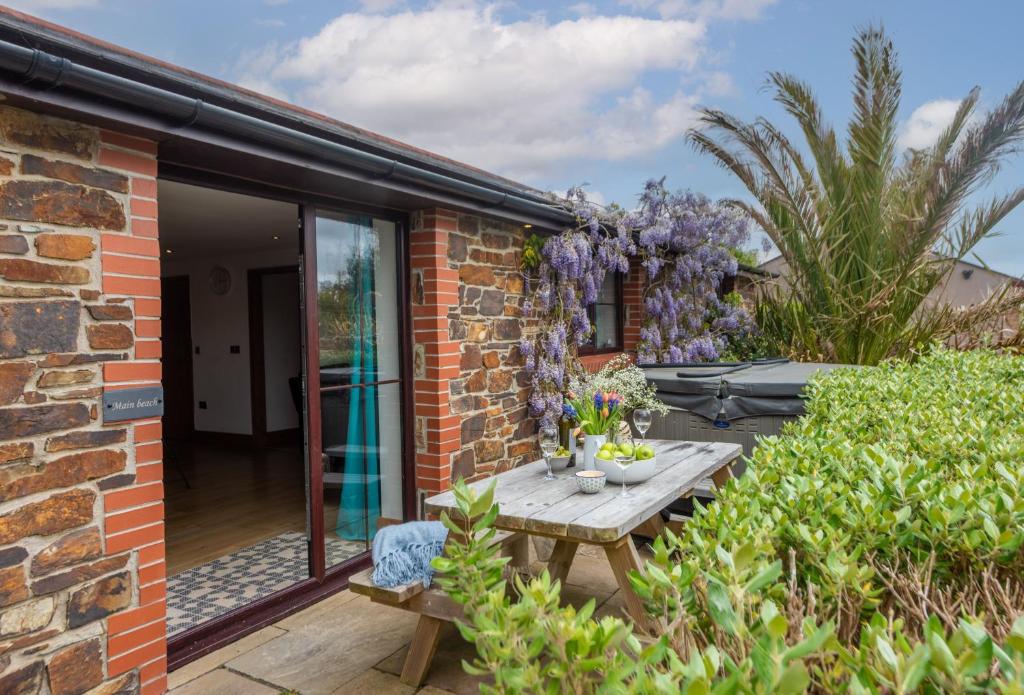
(192, 644)
(311, 382)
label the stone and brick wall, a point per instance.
(491, 391)
(471, 390)
(81, 504)
(467, 314)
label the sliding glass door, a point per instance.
(354, 378)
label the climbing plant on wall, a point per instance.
(570, 271)
(683, 241)
(686, 242)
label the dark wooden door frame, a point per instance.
(314, 431)
(203, 639)
(257, 359)
(186, 388)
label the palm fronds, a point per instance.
(867, 233)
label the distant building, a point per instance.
(966, 285)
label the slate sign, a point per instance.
(133, 404)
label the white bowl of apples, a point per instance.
(640, 470)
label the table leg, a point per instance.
(622, 557)
(651, 528)
(519, 550)
(561, 559)
(722, 475)
(421, 650)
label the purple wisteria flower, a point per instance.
(684, 244)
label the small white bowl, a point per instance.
(590, 482)
(559, 463)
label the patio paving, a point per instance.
(346, 644)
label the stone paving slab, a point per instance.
(205, 664)
(323, 650)
(446, 672)
(374, 682)
(346, 645)
(224, 682)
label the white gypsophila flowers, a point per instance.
(628, 380)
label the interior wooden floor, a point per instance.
(235, 497)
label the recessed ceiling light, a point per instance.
(168, 251)
(276, 237)
(527, 226)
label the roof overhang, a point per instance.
(203, 126)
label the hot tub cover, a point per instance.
(730, 391)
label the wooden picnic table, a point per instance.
(557, 509)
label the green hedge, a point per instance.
(874, 547)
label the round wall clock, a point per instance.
(220, 279)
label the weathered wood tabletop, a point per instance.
(557, 509)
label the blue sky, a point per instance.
(555, 94)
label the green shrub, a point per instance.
(874, 547)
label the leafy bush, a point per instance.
(874, 547)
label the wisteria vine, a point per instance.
(572, 267)
(683, 241)
(686, 242)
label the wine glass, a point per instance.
(549, 441)
(624, 460)
(642, 420)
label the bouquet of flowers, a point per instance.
(627, 381)
(596, 413)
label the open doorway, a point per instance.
(237, 522)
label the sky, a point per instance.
(599, 93)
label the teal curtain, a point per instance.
(360, 492)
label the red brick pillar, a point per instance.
(81, 502)
(134, 521)
(633, 305)
(435, 292)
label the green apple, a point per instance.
(626, 448)
(645, 452)
(605, 455)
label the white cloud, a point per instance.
(583, 9)
(518, 97)
(745, 10)
(32, 6)
(927, 122)
(374, 6)
(720, 84)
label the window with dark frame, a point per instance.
(606, 318)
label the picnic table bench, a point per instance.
(433, 605)
(529, 505)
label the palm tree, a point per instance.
(867, 232)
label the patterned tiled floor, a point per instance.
(204, 592)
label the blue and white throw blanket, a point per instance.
(402, 553)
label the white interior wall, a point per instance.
(282, 357)
(221, 378)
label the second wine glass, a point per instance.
(642, 421)
(625, 456)
(548, 446)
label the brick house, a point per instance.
(284, 241)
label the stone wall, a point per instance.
(470, 388)
(81, 511)
(491, 391)
(470, 392)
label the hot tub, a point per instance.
(734, 402)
